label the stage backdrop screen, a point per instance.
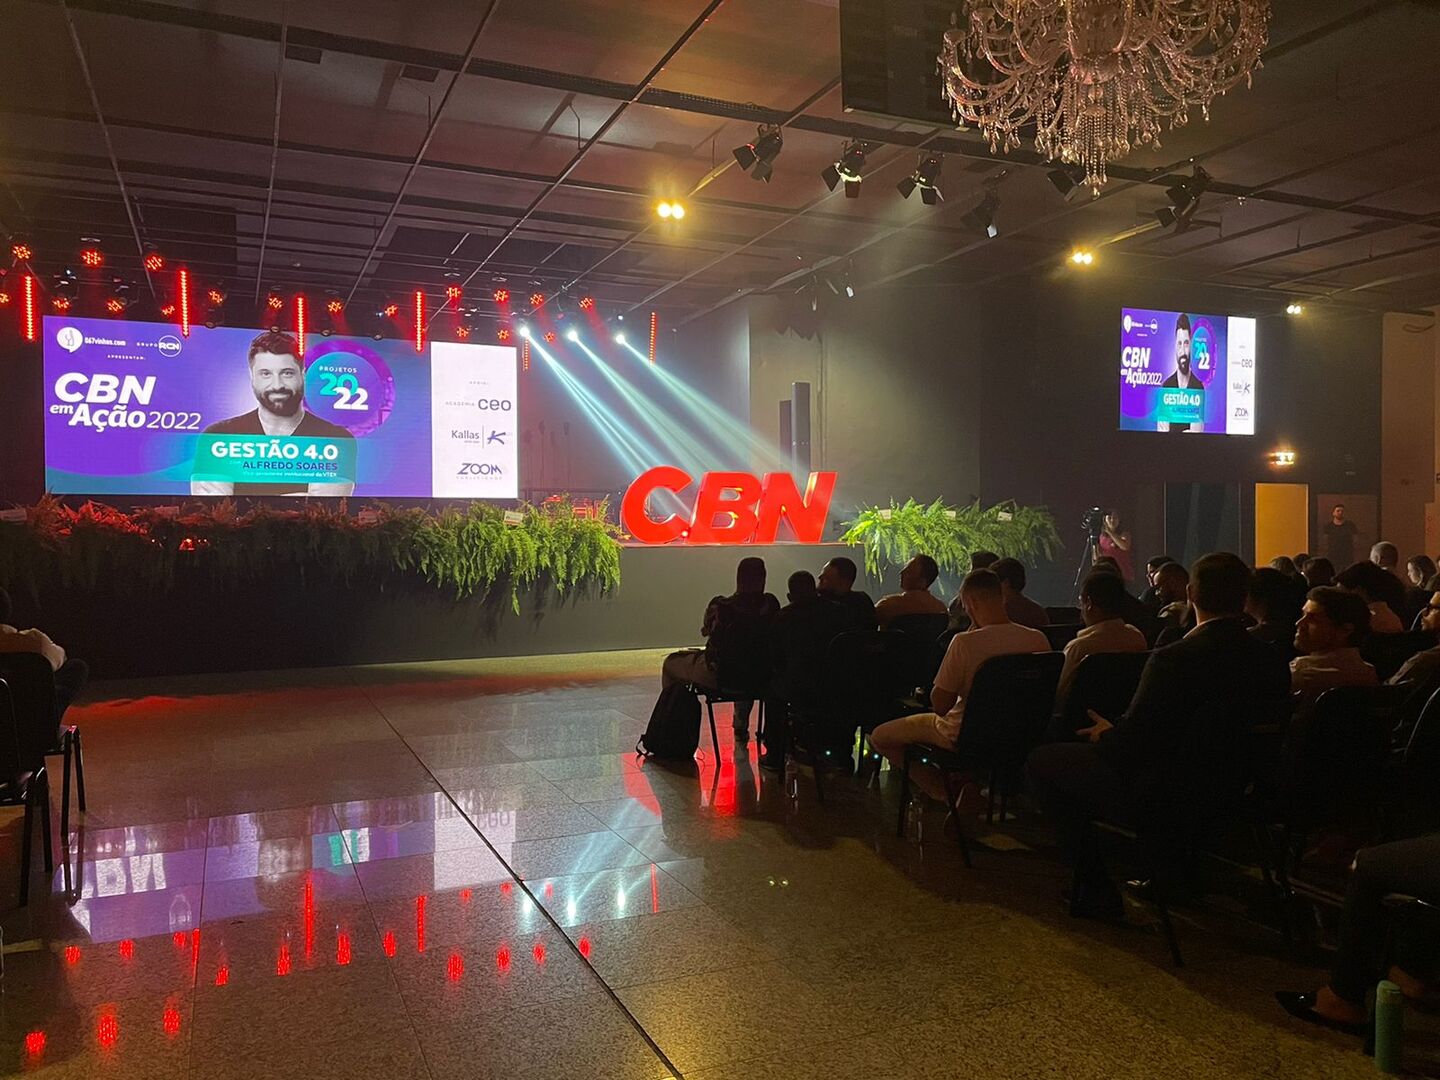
(137, 409)
(1186, 372)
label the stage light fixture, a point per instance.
(1294, 309)
(549, 337)
(419, 302)
(926, 177)
(167, 310)
(620, 339)
(524, 331)
(501, 296)
(182, 294)
(1082, 257)
(21, 251)
(846, 169)
(587, 303)
(982, 217)
(453, 293)
(1068, 180)
(4, 299)
(216, 297)
(1184, 195)
(758, 157)
(334, 305)
(60, 303)
(154, 261)
(462, 332)
(390, 310)
(274, 301)
(1282, 459)
(92, 257)
(503, 334)
(32, 316)
(572, 334)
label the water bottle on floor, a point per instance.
(1389, 1027)
(792, 776)
(915, 819)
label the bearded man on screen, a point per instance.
(1183, 378)
(277, 379)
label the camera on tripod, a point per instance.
(1094, 523)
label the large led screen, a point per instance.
(1181, 372)
(137, 409)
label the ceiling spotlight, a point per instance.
(1082, 257)
(620, 339)
(503, 334)
(335, 305)
(1294, 309)
(273, 301)
(390, 310)
(847, 169)
(167, 310)
(154, 261)
(1184, 195)
(670, 210)
(982, 217)
(453, 293)
(524, 331)
(115, 305)
(462, 332)
(758, 157)
(21, 251)
(92, 256)
(537, 300)
(216, 297)
(549, 337)
(60, 303)
(587, 303)
(501, 296)
(572, 334)
(926, 177)
(1068, 180)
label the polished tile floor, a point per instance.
(462, 870)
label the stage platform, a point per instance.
(289, 622)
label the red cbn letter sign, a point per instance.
(730, 507)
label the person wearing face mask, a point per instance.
(277, 379)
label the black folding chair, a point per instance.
(24, 782)
(1104, 682)
(1063, 616)
(922, 633)
(32, 685)
(1419, 767)
(742, 668)
(1006, 711)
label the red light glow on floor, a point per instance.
(127, 949)
(72, 954)
(342, 949)
(34, 1044)
(502, 958)
(585, 947)
(455, 967)
(388, 943)
(420, 923)
(170, 1021)
(222, 977)
(282, 962)
(538, 952)
(108, 1030)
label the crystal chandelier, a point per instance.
(1096, 77)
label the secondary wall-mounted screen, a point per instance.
(1182, 372)
(134, 408)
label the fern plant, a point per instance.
(467, 551)
(891, 536)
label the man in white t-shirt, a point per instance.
(993, 634)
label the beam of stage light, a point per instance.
(633, 451)
(722, 426)
(648, 411)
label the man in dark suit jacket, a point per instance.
(1183, 729)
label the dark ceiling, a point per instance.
(330, 145)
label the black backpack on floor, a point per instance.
(674, 729)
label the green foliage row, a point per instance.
(469, 551)
(892, 535)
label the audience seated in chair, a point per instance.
(914, 597)
(1424, 666)
(1176, 616)
(994, 634)
(1151, 596)
(802, 633)
(1319, 571)
(1419, 572)
(1331, 628)
(1271, 603)
(1102, 601)
(979, 560)
(1383, 593)
(1405, 867)
(1217, 669)
(1386, 556)
(70, 674)
(745, 611)
(837, 584)
(1018, 606)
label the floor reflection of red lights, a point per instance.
(342, 949)
(171, 1021)
(222, 977)
(502, 958)
(455, 967)
(585, 947)
(127, 949)
(282, 962)
(420, 923)
(505, 888)
(538, 952)
(72, 954)
(34, 1044)
(108, 1030)
(388, 943)
(465, 896)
